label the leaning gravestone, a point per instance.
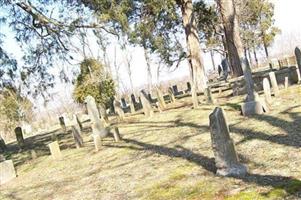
(208, 96)
(2, 145)
(274, 83)
(171, 95)
(160, 98)
(76, 132)
(62, 123)
(267, 90)
(298, 58)
(7, 171)
(146, 104)
(118, 109)
(55, 150)
(133, 102)
(98, 129)
(175, 89)
(226, 159)
(19, 136)
(116, 134)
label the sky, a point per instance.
(287, 18)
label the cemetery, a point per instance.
(225, 135)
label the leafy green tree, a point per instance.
(93, 81)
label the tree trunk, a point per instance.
(231, 29)
(227, 9)
(250, 58)
(199, 80)
(149, 72)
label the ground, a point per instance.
(169, 156)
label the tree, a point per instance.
(94, 82)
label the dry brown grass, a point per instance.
(169, 156)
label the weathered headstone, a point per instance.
(298, 58)
(76, 132)
(286, 83)
(175, 89)
(62, 123)
(160, 98)
(208, 96)
(78, 122)
(2, 145)
(146, 104)
(55, 150)
(274, 83)
(118, 109)
(7, 171)
(132, 103)
(171, 95)
(98, 129)
(267, 90)
(123, 103)
(226, 159)
(19, 136)
(188, 87)
(116, 134)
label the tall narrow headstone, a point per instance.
(123, 103)
(62, 123)
(55, 150)
(98, 129)
(7, 171)
(160, 98)
(19, 136)
(118, 109)
(298, 58)
(208, 96)
(226, 159)
(116, 134)
(2, 145)
(188, 87)
(76, 132)
(146, 104)
(267, 90)
(132, 103)
(171, 95)
(175, 89)
(274, 83)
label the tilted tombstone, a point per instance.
(7, 171)
(298, 58)
(274, 83)
(160, 98)
(76, 132)
(132, 101)
(226, 159)
(98, 129)
(133, 98)
(2, 145)
(55, 150)
(118, 109)
(146, 104)
(171, 95)
(19, 136)
(267, 90)
(116, 134)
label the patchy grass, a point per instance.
(169, 156)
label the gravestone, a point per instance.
(7, 171)
(267, 90)
(208, 96)
(2, 145)
(62, 123)
(33, 154)
(76, 132)
(160, 97)
(171, 95)
(188, 87)
(132, 103)
(226, 159)
(175, 89)
(274, 83)
(55, 150)
(146, 104)
(123, 103)
(286, 83)
(133, 98)
(118, 109)
(298, 58)
(98, 129)
(116, 134)
(78, 122)
(19, 136)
